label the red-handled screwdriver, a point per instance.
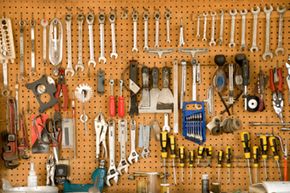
(112, 107)
(121, 102)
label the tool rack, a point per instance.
(86, 162)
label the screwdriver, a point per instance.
(274, 148)
(229, 161)
(208, 154)
(256, 156)
(219, 165)
(164, 145)
(173, 156)
(245, 137)
(112, 107)
(264, 149)
(200, 151)
(121, 102)
(191, 161)
(181, 161)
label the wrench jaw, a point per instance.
(255, 10)
(133, 158)
(232, 45)
(92, 62)
(268, 8)
(279, 51)
(254, 49)
(266, 55)
(69, 71)
(114, 55)
(102, 59)
(145, 153)
(112, 174)
(80, 66)
(123, 166)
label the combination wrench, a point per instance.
(112, 19)
(267, 53)
(181, 34)
(44, 24)
(233, 13)
(205, 14)
(243, 13)
(133, 157)
(69, 67)
(102, 18)
(167, 18)
(135, 30)
(255, 12)
(21, 49)
(212, 39)
(122, 138)
(280, 50)
(80, 64)
(198, 27)
(146, 18)
(157, 18)
(32, 39)
(221, 35)
(90, 21)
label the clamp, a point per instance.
(61, 88)
(101, 128)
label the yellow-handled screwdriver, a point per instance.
(219, 165)
(274, 147)
(229, 162)
(245, 137)
(182, 161)
(264, 150)
(209, 154)
(164, 145)
(191, 162)
(200, 151)
(256, 157)
(173, 156)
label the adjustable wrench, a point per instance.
(112, 171)
(102, 18)
(133, 155)
(255, 12)
(145, 18)
(146, 135)
(90, 21)
(183, 82)
(198, 27)
(205, 14)
(181, 34)
(80, 64)
(112, 19)
(281, 10)
(44, 24)
(212, 39)
(32, 38)
(167, 17)
(243, 13)
(157, 18)
(233, 13)
(122, 138)
(135, 30)
(221, 36)
(267, 53)
(21, 48)
(69, 67)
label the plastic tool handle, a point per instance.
(285, 169)
(264, 146)
(172, 146)
(280, 75)
(191, 158)
(274, 147)
(229, 156)
(256, 155)
(112, 106)
(164, 143)
(272, 85)
(246, 72)
(200, 151)
(220, 59)
(245, 137)
(209, 151)
(181, 156)
(220, 158)
(155, 77)
(121, 106)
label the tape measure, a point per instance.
(252, 103)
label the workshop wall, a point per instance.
(187, 10)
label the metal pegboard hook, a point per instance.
(124, 13)
(69, 9)
(80, 10)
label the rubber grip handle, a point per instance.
(280, 84)
(121, 106)
(285, 170)
(246, 72)
(112, 106)
(271, 85)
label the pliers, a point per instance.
(61, 88)
(101, 128)
(277, 96)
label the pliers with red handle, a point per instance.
(61, 88)
(277, 96)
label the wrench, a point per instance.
(255, 12)
(198, 27)
(135, 30)
(44, 24)
(90, 21)
(181, 34)
(221, 36)
(167, 17)
(112, 19)
(212, 39)
(205, 14)
(80, 64)
(32, 37)
(267, 53)
(112, 171)
(233, 14)
(281, 10)
(123, 164)
(166, 126)
(157, 18)
(133, 155)
(102, 18)
(243, 13)
(145, 18)
(183, 82)
(69, 67)
(146, 133)
(21, 49)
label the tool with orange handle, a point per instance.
(274, 147)
(121, 102)
(284, 149)
(112, 107)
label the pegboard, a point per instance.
(187, 10)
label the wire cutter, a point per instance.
(61, 88)
(277, 96)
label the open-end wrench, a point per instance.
(102, 18)
(243, 13)
(112, 19)
(122, 138)
(167, 17)
(267, 53)
(80, 64)
(205, 14)
(280, 50)
(32, 39)
(133, 155)
(183, 82)
(198, 27)
(157, 18)
(233, 13)
(212, 39)
(181, 34)
(166, 126)
(44, 24)
(21, 49)
(90, 21)
(112, 171)
(221, 36)
(146, 18)
(69, 68)
(135, 30)
(255, 12)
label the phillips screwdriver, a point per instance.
(191, 161)
(274, 147)
(245, 137)
(264, 150)
(256, 157)
(200, 151)
(229, 162)
(173, 156)
(112, 107)
(164, 146)
(121, 102)
(219, 165)
(181, 161)
(208, 154)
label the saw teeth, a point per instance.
(79, 92)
